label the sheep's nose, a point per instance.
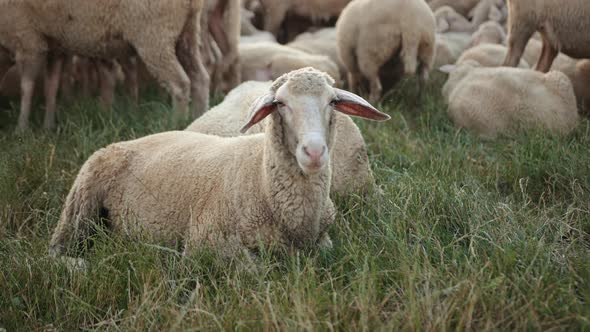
(314, 153)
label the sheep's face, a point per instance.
(305, 101)
(307, 122)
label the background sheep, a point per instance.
(275, 12)
(462, 7)
(449, 47)
(222, 20)
(320, 42)
(488, 55)
(490, 32)
(351, 171)
(265, 61)
(164, 34)
(563, 26)
(281, 197)
(448, 20)
(372, 32)
(501, 100)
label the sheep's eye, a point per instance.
(333, 103)
(279, 103)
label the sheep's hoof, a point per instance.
(74, 264)
(325, 242)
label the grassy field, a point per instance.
(469, 235)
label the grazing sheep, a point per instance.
(229, 194)
(267, 61)
(488, 55)
(276, 11)
(462, 7)
(320, 42)
(449, 47)
(564, 27)
(351, 172)
(502, 100)
(490, 32)
(448, 20)
(163, 33)
(372, 32)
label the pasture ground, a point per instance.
(468, 235)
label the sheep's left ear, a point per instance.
(259, 110)
(351, 104)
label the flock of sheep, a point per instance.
(260, 166)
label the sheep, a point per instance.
(230, 194)
(485, 10)
(263, 36)
(276, 11)
(265, 61)
(222, 21)
(488, 55)
(350, 164)
(501, 100)
(163, 33)
(372, 32)
(449, 47)
(563, 26)
(448, 20)
(462, 7)
(581, 82)
(490, 32)
(561, 62)
(320, 42)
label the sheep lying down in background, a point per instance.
(229, 194)
(351, 171)
(502, 100)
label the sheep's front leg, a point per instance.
(327, 219)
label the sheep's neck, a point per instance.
(297, 200)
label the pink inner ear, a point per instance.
(356, 109)
(262, 113)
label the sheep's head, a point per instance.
(305, 100)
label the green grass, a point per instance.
(469, 235)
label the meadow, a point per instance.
(467, 235)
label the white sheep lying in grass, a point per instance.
(448, 20)
(351, 171)
(320, 42)
(488, 55)
(449, 47)
(501, 100)
(371, 33)
(230, 194)
(265, 61)
(490, 32)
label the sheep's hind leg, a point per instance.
(29, 67)
(52, 80)
(548, 54)
(165, 67)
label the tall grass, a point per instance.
(468, 235)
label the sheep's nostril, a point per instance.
(314, 154)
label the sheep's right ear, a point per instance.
(447, 68)
(259, 110)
